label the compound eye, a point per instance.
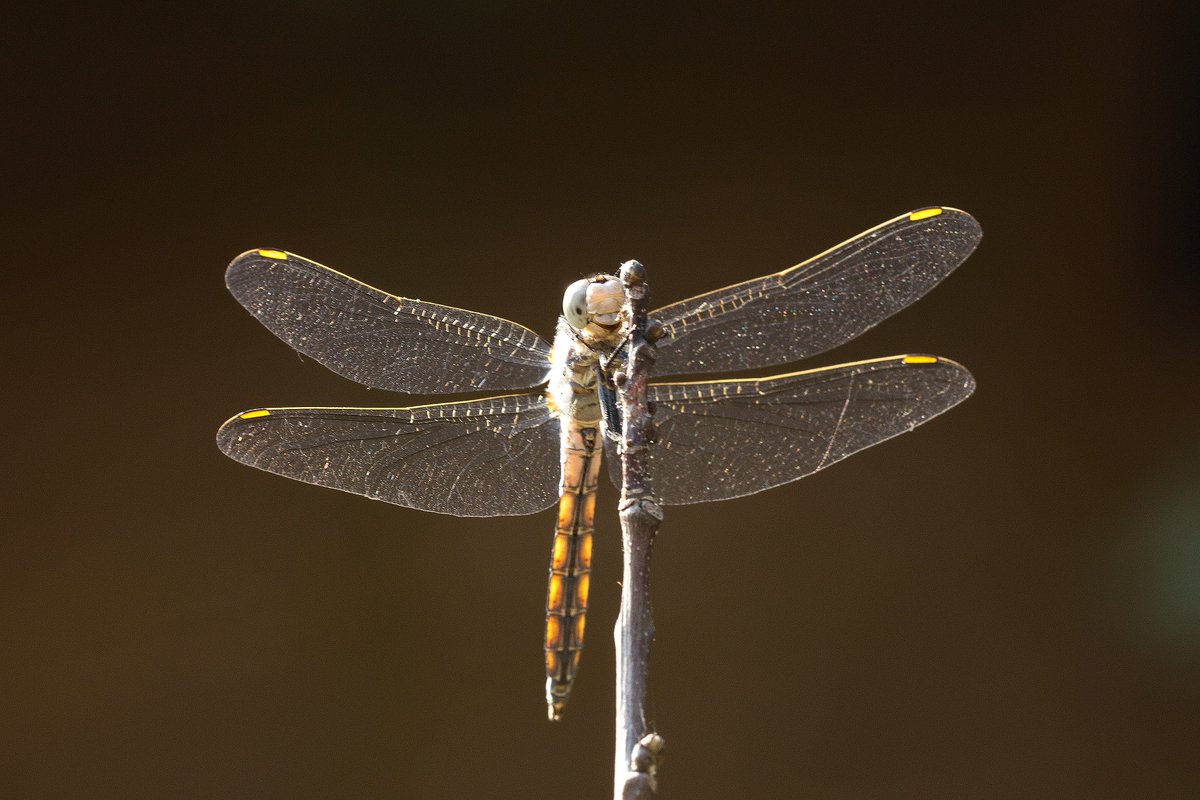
(575, 304)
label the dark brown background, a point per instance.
(1005, 604)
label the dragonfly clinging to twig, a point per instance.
(522, 452)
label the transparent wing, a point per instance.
(491, 457)
(817, 305)
(381, 340)
(726, 439)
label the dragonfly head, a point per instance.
(595, 307)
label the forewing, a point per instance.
(726, 439)
(381, 340)
(817, 305)
(491, 457)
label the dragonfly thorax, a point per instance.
(592, 327)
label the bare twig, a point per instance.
(638, 752)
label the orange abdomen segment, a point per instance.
(570, 565)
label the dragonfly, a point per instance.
(544, 440)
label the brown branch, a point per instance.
(638, 752)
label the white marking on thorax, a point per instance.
(572, 387)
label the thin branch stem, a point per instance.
(638, 751)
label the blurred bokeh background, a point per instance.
(1004, 604)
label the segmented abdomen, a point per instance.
(571, 562)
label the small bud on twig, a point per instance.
(654, 331)
(633, 273)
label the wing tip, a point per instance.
(258, 255)
(226, 433)
(924, 360)
(948, 216)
